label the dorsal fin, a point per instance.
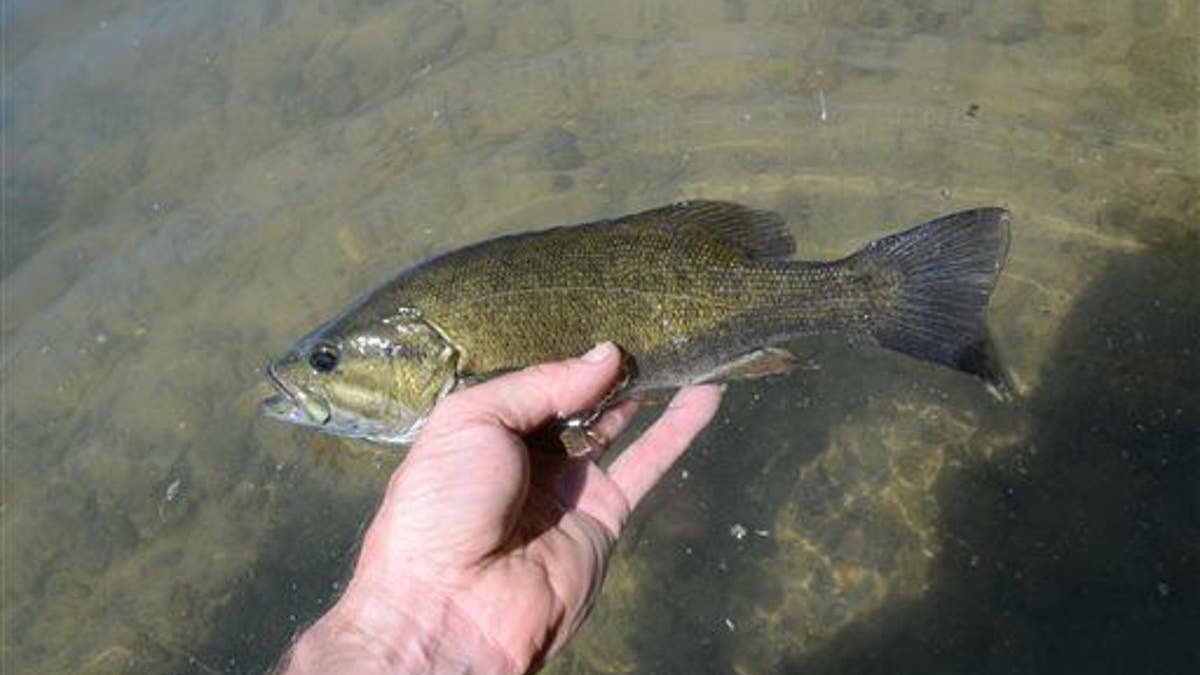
(758, 234)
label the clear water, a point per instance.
(189, 185)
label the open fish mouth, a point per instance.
(290, 405)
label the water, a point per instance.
(191, 185)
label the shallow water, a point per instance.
(191, 185)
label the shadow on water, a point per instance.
(685, 537)
(325, 501)
(1079, 550)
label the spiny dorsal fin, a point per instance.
(759, 234)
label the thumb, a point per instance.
(525, 400)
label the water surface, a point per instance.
(191, 185)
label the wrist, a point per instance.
(373, 632)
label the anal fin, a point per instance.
(758, 363)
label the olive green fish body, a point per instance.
(676, 298)
(684, 290)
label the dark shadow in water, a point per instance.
(741, 473)
(1080, 550)
(301, 566)
(744, 467)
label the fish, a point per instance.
(691, 292)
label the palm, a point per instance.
(514, 538)
(517, 526)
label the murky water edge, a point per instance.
(189, 186)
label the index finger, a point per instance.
(525, 400)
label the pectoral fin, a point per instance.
(758, 363)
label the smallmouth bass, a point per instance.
(696, 291)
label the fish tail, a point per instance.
(940, 275)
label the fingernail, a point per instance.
(598, 353)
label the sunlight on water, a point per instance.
(191, 185)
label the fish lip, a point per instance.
(297, 411)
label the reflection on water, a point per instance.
(190, 185)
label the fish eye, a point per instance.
(323, 358)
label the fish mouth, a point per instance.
(291, 405)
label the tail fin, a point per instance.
(947, 269)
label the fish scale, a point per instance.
(693, 291)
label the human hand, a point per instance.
(486, 554)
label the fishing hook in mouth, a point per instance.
(278, 383)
